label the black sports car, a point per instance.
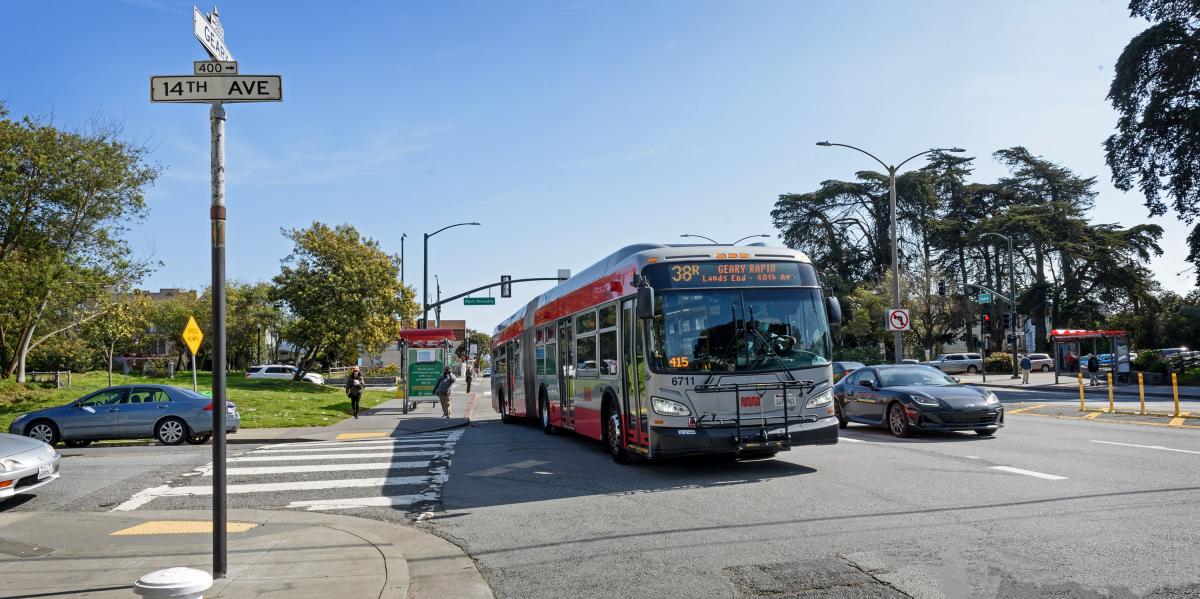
(907, 398)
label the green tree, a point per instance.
(121, 319)
(342, 293)
(482, 340)
(1154, 90)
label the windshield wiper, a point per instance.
(767, 344)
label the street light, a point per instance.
(1012, 289)
(425, 272)
(714, 241)
(403, 236)
(895, 240)
(749, 237)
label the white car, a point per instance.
(25, 464)
(1042, 362)
(281, 371)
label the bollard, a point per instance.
(1111, 408)
(1082, 408)
(1175, 391)
(1141, 394)
(175, 583)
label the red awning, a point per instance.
(1085, 334)
(426, 335)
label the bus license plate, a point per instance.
(45, 470)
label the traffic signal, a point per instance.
(987, 323)
(1007, 319)
(941, 288)
(505, 286)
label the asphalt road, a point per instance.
(1047, 508)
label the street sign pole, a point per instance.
(193, 371)
(217, 215)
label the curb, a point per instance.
(1116, 390)
(253, 441)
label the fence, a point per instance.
(52, 376)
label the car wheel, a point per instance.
(544, 412)
(972, 369)
(837, 409)
(1045, 368)
(171, 431)
(78, 443)
(897, 421)
(616, 448)
(985, 432)
(200, 439)
(44, 431)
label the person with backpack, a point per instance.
(1093, 368)
(354, 389)
(442, 390)
(1026, 366)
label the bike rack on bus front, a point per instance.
(764, 439)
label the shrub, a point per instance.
(999, 362)
(867, 354)
(1151, 361)
(385, 370)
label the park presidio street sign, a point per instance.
(479, 301)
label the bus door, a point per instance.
(566, 378)
(632, 376)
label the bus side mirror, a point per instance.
(645, 302)
(833, 310)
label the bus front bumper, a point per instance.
(669, 442)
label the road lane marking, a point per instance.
(365, 442)
(315, 505)
(335, 456)
(141, 498)
(1158, 447)
(1029, 473)
(972, 457)
(283, 450)
(1092, 416)
(1027, 408)
(850, 439)
(362, 435)
(339, 467)
(299, 485)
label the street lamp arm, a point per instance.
(714, 241)
(874, 157)
(929, 151)
(427, 235)
(1000, 235)
(749, 237)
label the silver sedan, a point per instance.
(25, 464)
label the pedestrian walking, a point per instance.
(1026, 366)
(1093, 368)
(470, 377)
(354, 389)
(442, 390)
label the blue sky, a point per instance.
(567, 128)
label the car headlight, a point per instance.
(821, 399)
(666, 407)
(20, 418)
(991, 398)
(925, 400)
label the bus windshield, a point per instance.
(738, 330)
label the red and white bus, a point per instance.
(665, 350)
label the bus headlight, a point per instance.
(821, 399)
(666, 407)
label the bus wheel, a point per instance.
(616, 448)
(544, 412)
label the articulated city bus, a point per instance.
(665, 350)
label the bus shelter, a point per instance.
(1070, 346)
(426, 352)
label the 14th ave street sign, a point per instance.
(238, 88)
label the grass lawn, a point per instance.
(263, 403)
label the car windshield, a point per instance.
(730, 330)
(921, 375)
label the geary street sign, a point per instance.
(236, 88)
(211, 34)
(215, 67)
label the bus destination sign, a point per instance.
(750, 273)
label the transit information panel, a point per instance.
(731, 273)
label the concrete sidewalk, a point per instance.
(271, 554)
(1044, 381)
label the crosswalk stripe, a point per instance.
(355, 448)
(333, 456)
(258, 470)
(298, 485)
(352, 502)
(275, 446)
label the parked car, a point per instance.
(1042, 362)
(487, 372)
(170, 414)
(956, 363)
(841, 369)
(909, 361)
(25, 464)
(283, 372)
(907, 398)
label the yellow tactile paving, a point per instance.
(179, 527)
(362, 435)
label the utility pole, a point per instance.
(425, 272)
(1012, 305)
(217, 214)
(403, 236)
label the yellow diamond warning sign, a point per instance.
(192, 335)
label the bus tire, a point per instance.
(613, 435)
(544, 414)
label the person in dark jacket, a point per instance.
(1093, 368)
(470, 377)
(442, 390)
(354, 389)
(1026, 365)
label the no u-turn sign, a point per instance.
(898, 320)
